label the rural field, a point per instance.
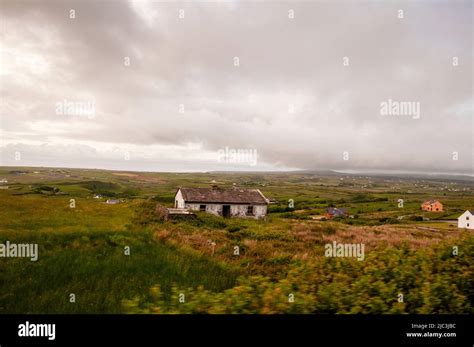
(124, 258)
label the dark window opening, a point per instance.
(202, 207)
(249, 210)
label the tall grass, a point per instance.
(95, 269)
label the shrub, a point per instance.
(328, 229)
(99, 187)
(389, 220)
(279, 260)
(233, 229)
(149, 212)
(433, 281)
(46, 189)
(204, 219)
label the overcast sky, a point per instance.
(173, 86)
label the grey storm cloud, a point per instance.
(306, 94)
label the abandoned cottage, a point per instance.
(226, 202)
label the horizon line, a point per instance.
(368, 172)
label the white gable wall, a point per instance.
(466, 220)
(178, 200)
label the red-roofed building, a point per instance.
(432, 206)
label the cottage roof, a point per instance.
(431, 202)
(223, 195)
(462, 214)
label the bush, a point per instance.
(164, 199)
(46, 190)
(204, 219)
(233, 229)
(279, 209)
(149, 212)
(329, 229)
(389, 220)
(433, 281)
(99, 187)
(415, 218)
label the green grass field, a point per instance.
(82, 249)
(95, 269)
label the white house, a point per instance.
(233, 202)
(466, 220)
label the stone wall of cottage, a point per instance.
(236, 210)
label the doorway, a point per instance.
(226, 210)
